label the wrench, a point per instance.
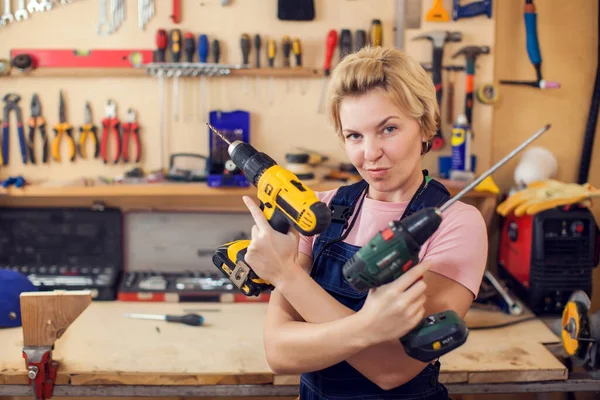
(513, 306)
(33, 6)
(7, 17)
(104, 27)
(45, 5)
(21, 13)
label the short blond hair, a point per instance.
(400, 76)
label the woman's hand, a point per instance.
(393, 309)
(271, 254)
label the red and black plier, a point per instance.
(110, 123)
(131, 129)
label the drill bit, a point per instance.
(212, 128)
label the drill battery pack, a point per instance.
(168, 256)
(222, 171)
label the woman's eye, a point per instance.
(389, 129)
(353, 136)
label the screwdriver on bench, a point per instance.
(187, 319)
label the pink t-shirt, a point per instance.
(458, 249)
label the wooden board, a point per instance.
(104, 347)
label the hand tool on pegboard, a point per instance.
(471, 53)
(110, 124)
(203, 51)
(345, 43)
(21, 13)
(104, 27)
(95, 58)
(145, 12)
(450, 94)
(360, 40)
(88, 131)
(533, 51)
(330, 44)
(176, 14)
(245, 48)
(376, 33)
(11, 103)
(407, 16)
(37, 121)
(176, 47)
(438, 40)
(131, 131)
(63, 130)
(161, 47)
(472, 9)
(437, 12)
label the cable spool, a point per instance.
(487, 94)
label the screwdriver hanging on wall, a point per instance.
(176, 45)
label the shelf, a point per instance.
(292, 72)
(167, 196)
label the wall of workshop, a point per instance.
(283, 111)
(569, 45)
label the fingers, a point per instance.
(257, 214)
(413, 292)
(411, 276)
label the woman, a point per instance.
(345, 343)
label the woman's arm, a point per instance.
(380, 362)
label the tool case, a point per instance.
(168, 256)
(64, 248)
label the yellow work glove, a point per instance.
(544, 195)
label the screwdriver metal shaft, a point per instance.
(187, 319)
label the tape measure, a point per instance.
(488, 93)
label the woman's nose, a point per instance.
(373, 149)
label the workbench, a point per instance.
(103, 353)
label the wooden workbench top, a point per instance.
(104, 347)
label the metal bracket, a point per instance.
(41, 370)
(190, 69)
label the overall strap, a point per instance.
(342, 206)
(431, 194)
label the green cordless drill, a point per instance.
(394, 250)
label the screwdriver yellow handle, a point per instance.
(297, 49)
(376, 33)
(271, 52)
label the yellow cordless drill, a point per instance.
(285, 202)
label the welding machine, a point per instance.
(547, 256)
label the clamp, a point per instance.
(131, 129)
(11, 101)
(41, 370)
(110, 123)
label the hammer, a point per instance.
(471, 53)
(438, 40)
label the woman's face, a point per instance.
(381, 142)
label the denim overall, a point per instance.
(330, 253)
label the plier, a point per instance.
(37, 121)
(11, 101)
(88, 130)
(131, 129)
(63, 129)
(110, 123)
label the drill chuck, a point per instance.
(249, 160)
(421, 225)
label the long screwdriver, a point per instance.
(245, 47)
(176, 42)
(187, 319)
(161, 44)
(286, 46)
(331, 42)
(189, 45)
(203, 57)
